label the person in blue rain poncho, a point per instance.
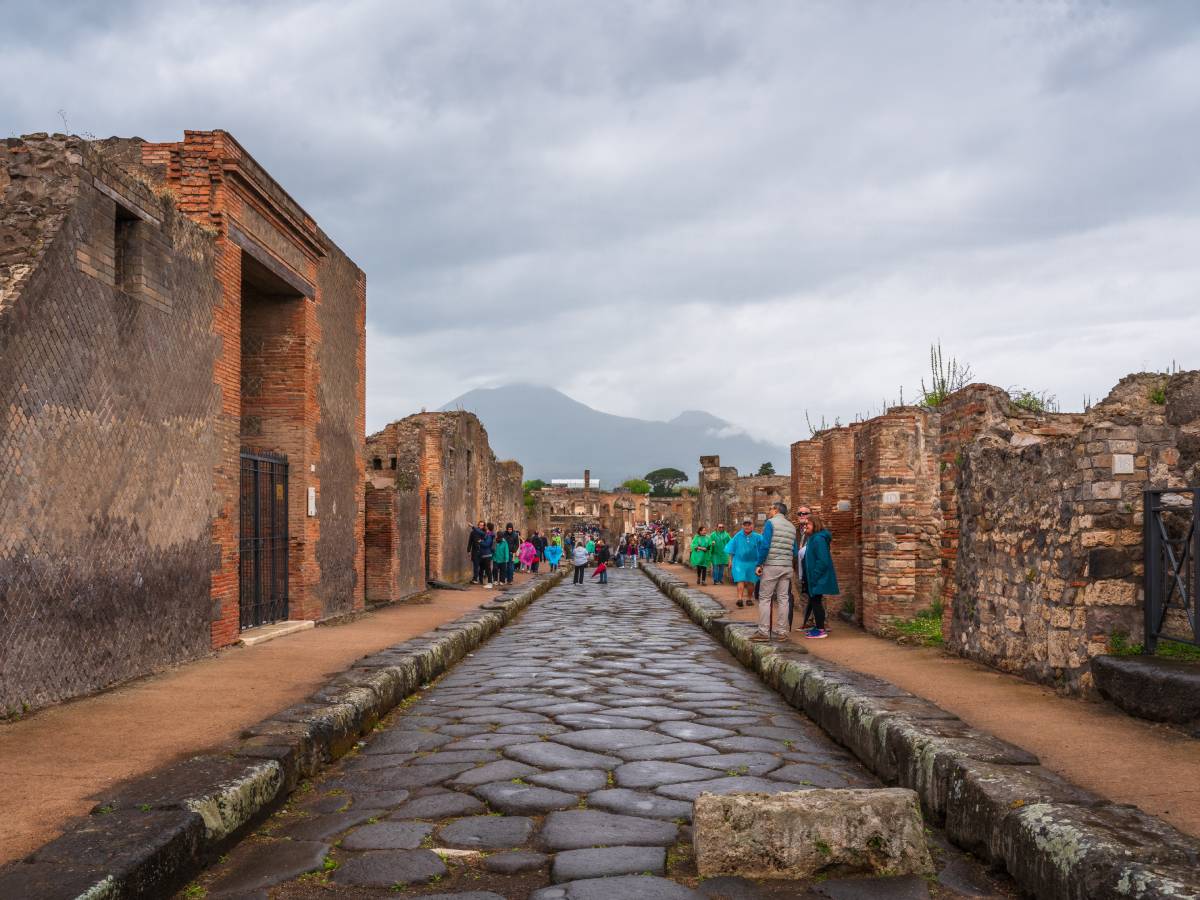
(744, 549)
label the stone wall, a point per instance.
(429, 478)
(617, 512)
(147, 333)
(726, 497)
(108, 443)
(1025, 526)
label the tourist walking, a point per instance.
(554, 553)
(819, 574)
(487, 549)
(701, 557)
(743, 550)
(579, 558)
(602, 557)
(775, 569)
(802, 515)
(539, 544)
(659, 543)
(720, 557)
(501, 563)
(671, 546)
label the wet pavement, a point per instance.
(560, 762)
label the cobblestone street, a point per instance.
(558, 761)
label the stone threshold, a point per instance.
(993, 799)
(252, 637)
(149, 836)
(1149, 687)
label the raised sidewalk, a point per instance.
(1094, 745)
(54, 763)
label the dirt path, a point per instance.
(52, 763)
(1092, 744)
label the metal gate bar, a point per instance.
(1171, 544)
(263, 543)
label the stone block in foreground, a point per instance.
(799, 833)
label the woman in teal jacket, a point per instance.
(819, 577)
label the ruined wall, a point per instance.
(1026, 526)
(439, 476)
(1049, 561)
(726, 497)
(107, 439)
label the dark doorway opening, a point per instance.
(272, 432)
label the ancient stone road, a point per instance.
(558, 761)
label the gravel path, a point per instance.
(558, 762)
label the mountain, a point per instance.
(553, 436)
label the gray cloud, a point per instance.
(621, 198)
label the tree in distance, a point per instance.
(637, 486)
(766, 469)
(663, 481)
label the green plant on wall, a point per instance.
(945, 377)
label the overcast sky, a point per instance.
(751, 208)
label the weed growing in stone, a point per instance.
(195, 891)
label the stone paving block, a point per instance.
(748, 763)
(387, 836)
(518, 799)
(665, 751)
(805, 775)
(501, 770)
(653, 773)
(578, 780)
(692, 731)
(385, 868)
(604, 862)
(905, 887)
(440, 805)
(551, 755)
(321, 828)
(602, 740)
(638, 803)
(624, 887)
(405, 742)
(578, 828)
(486, 832)
(513, 861)
(256, 867)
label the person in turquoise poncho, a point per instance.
(554, 553)
(701, 557)
(720, 556)
(743, 549)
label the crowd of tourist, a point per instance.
(785, 560)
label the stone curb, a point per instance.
(154, 833)
(994, 799)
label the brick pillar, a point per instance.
(901, 516)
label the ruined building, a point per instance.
(617, 512)
(430, 477)
(1025, 526)
(726, 498)
(181, 361)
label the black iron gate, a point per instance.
(263, 571)
(1171, 539)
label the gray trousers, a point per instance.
(773, 597)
